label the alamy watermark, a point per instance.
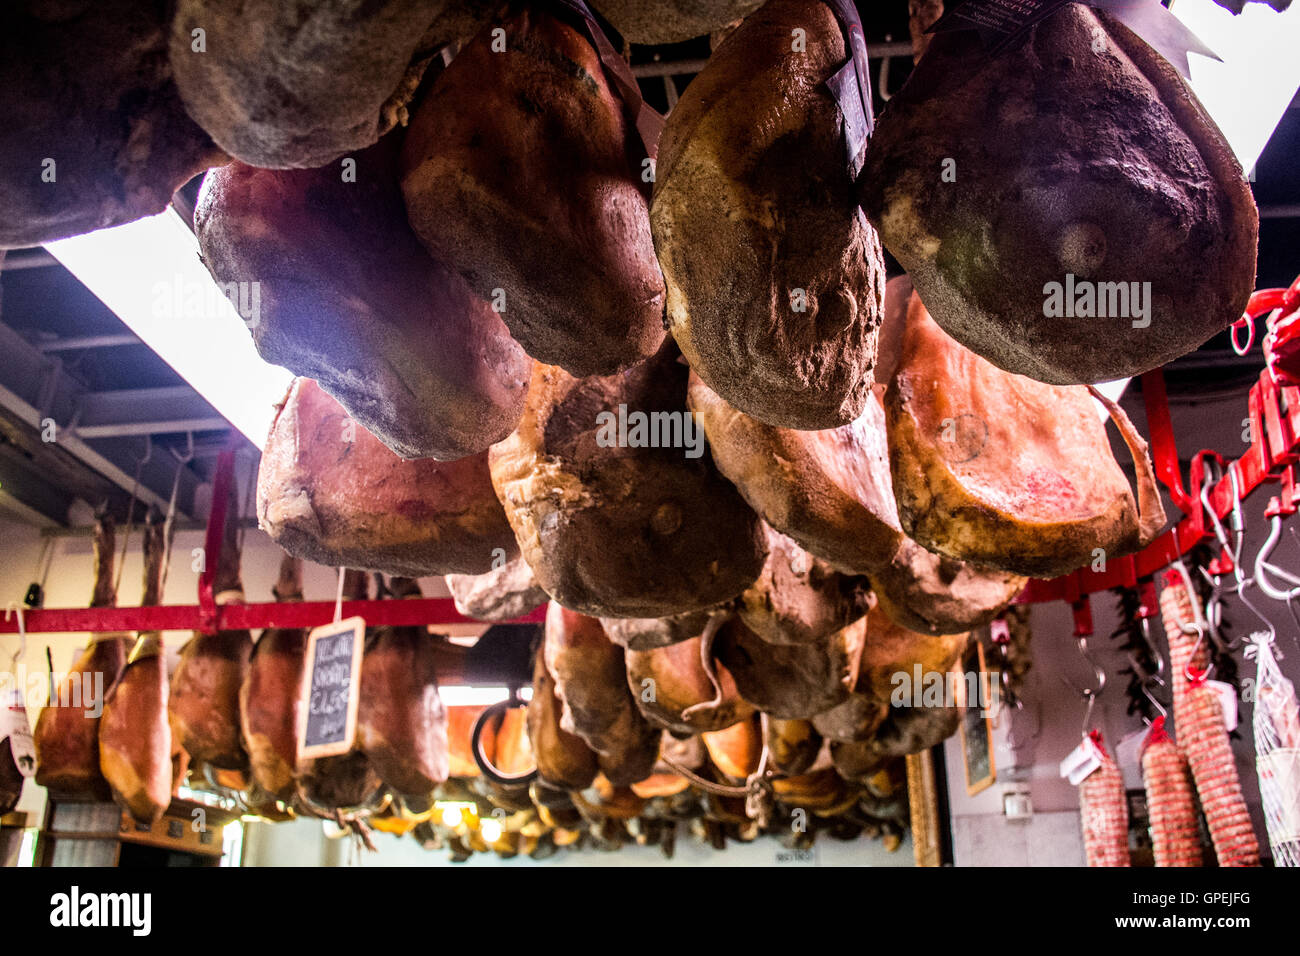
(85, 691)
(650, 430)
(917, 688)
(1084, 299)
(182, 299)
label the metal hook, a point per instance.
(1200, 631)
(1089, 694)
(1198, 626)
(882, 78)
(1144, 684)
(1154, 648)
(1262, 564)
(1233, 548)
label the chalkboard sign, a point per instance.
(330, 689)
(976, 729)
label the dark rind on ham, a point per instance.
(1146, 190)
(87, 86)
(334, 286)
(292, 84)
(640, 532)
(799, 599)
(792, 680)
(522, 172)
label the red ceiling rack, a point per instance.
(1274, 411)
(1274, 416)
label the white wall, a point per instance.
(1030, 745)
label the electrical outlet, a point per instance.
(1016, 804)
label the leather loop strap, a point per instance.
(649, 124)
(476, 745)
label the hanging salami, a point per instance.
(1104, 810)
(1201, 733)
(1171, 803)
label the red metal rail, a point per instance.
(1274, 412)
(408, 612)
(1275, 425)
(209, 617)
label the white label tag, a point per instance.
(1227, 695)
(1083, 760)
(1128, 754)
(14, 725)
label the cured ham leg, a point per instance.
(270, 698)
(563, 758)
(591, 681)
(1120, 211)
(401, 720)
(66, 736)
(135, 738)
(775, 279)
(330, 492)
(1003, 471)
(204, 703)
(643, 531)
(343, 782)
(521, 171)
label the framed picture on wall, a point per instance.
(976, 729)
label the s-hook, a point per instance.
(1089, 694)
(1214, 606)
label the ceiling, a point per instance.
(65, 358)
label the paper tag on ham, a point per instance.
(331, 688)
(1083, 760)
(1227, 695)
(14, 726)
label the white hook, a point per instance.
(16, 608)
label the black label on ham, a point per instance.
(851, 86)
(649, 124)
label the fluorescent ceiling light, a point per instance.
(148, 272)
(1249, 91)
